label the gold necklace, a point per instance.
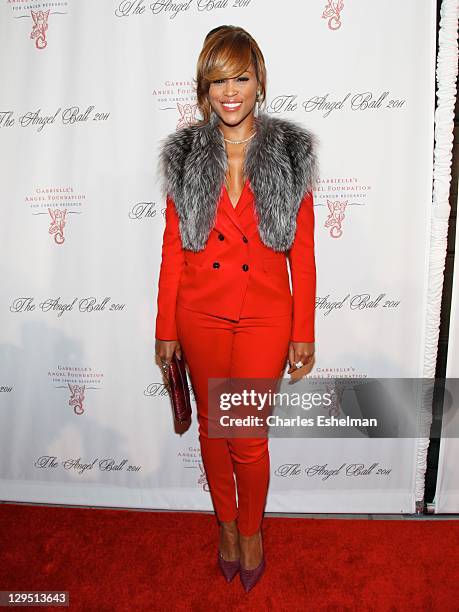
(239, 141)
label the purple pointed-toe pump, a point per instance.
(250, 577)
(229, 568)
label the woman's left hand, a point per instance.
(301, 351)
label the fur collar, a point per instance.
(280, 163)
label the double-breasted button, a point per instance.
(221, 237)
(216, 264)
(244, 239)
(245, 267)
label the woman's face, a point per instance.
(233, 99)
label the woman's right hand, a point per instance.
(164, 350)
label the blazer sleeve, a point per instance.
(172, 260)
(303, 273)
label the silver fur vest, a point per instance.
(280, 163)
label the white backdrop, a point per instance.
(88, 92)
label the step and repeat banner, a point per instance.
(88, 91)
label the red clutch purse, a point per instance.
(180, 392)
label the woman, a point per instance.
(239, 203)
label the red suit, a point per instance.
(231, 308)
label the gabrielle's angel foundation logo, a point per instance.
(179, 97)
(341, 194)
(191, 459)
(59, 204)
(40, 25)
(336, 395)
(336, 217)
(77, 398)
(57, 224)
(202, 480)
(332, 12)
(187, 114)
(76, 381)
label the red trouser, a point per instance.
(216, 347)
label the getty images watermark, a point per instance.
(333, 407)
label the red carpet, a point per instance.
(111, 560)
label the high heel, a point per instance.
(229, 568)
(250, 577)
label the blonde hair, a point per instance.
(227, 52)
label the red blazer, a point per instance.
(236, 273)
